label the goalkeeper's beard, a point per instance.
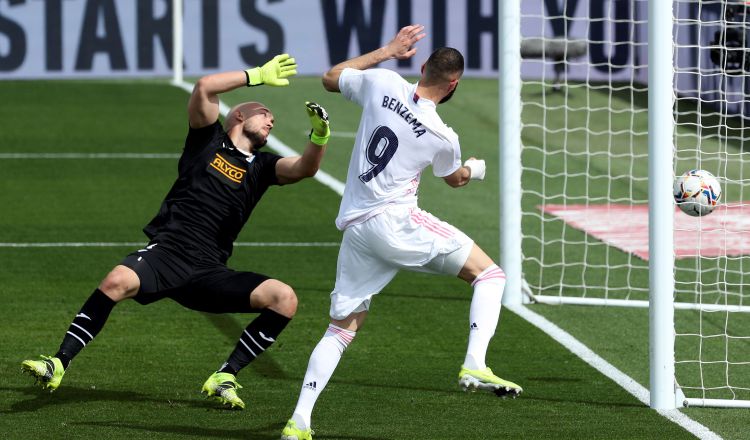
(256, 139)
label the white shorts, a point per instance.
(373, 252)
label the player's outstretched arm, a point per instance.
(203, 107)
(400, 48)
(296, 168)
(473, 169)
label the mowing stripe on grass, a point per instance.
(587, 355)
(141, 243)
(559, 335)
(89, 156)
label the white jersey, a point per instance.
(400, 134)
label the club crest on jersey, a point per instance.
(227, 169)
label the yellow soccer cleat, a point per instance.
(292, 432)
(48, 372)
(223, 387)
(472, 380)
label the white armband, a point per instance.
(477, 168)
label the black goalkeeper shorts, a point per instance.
(213, 288)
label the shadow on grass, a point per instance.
(449, 390)
(271, 431)
(550, 379)
(266, 432)
(594, 403)
(73, 395)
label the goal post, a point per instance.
(177, 42)
(509, 77)
(616, 99)
(660, 206)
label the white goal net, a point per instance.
(585, 169)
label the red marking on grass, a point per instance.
(726, 231)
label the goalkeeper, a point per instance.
(222, 175)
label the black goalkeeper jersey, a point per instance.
(217, 188)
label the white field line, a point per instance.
(609, 370)
(143, 243)
(89, 156)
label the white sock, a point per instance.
(484, 315)
(323, 361)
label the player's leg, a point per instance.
(139, 275)
(222, 290)
(359, 276)
(323, 362)
(451, 252)
(278, 304)
(121, 283)
(488, 281)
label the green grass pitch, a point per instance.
(141, 377)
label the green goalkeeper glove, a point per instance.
(273, 73)
(319, 120)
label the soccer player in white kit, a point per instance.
(400, 134)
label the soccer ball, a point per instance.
(697, 192)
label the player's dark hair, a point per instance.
(442, 64)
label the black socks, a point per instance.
(85, 326)
(257, 337)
